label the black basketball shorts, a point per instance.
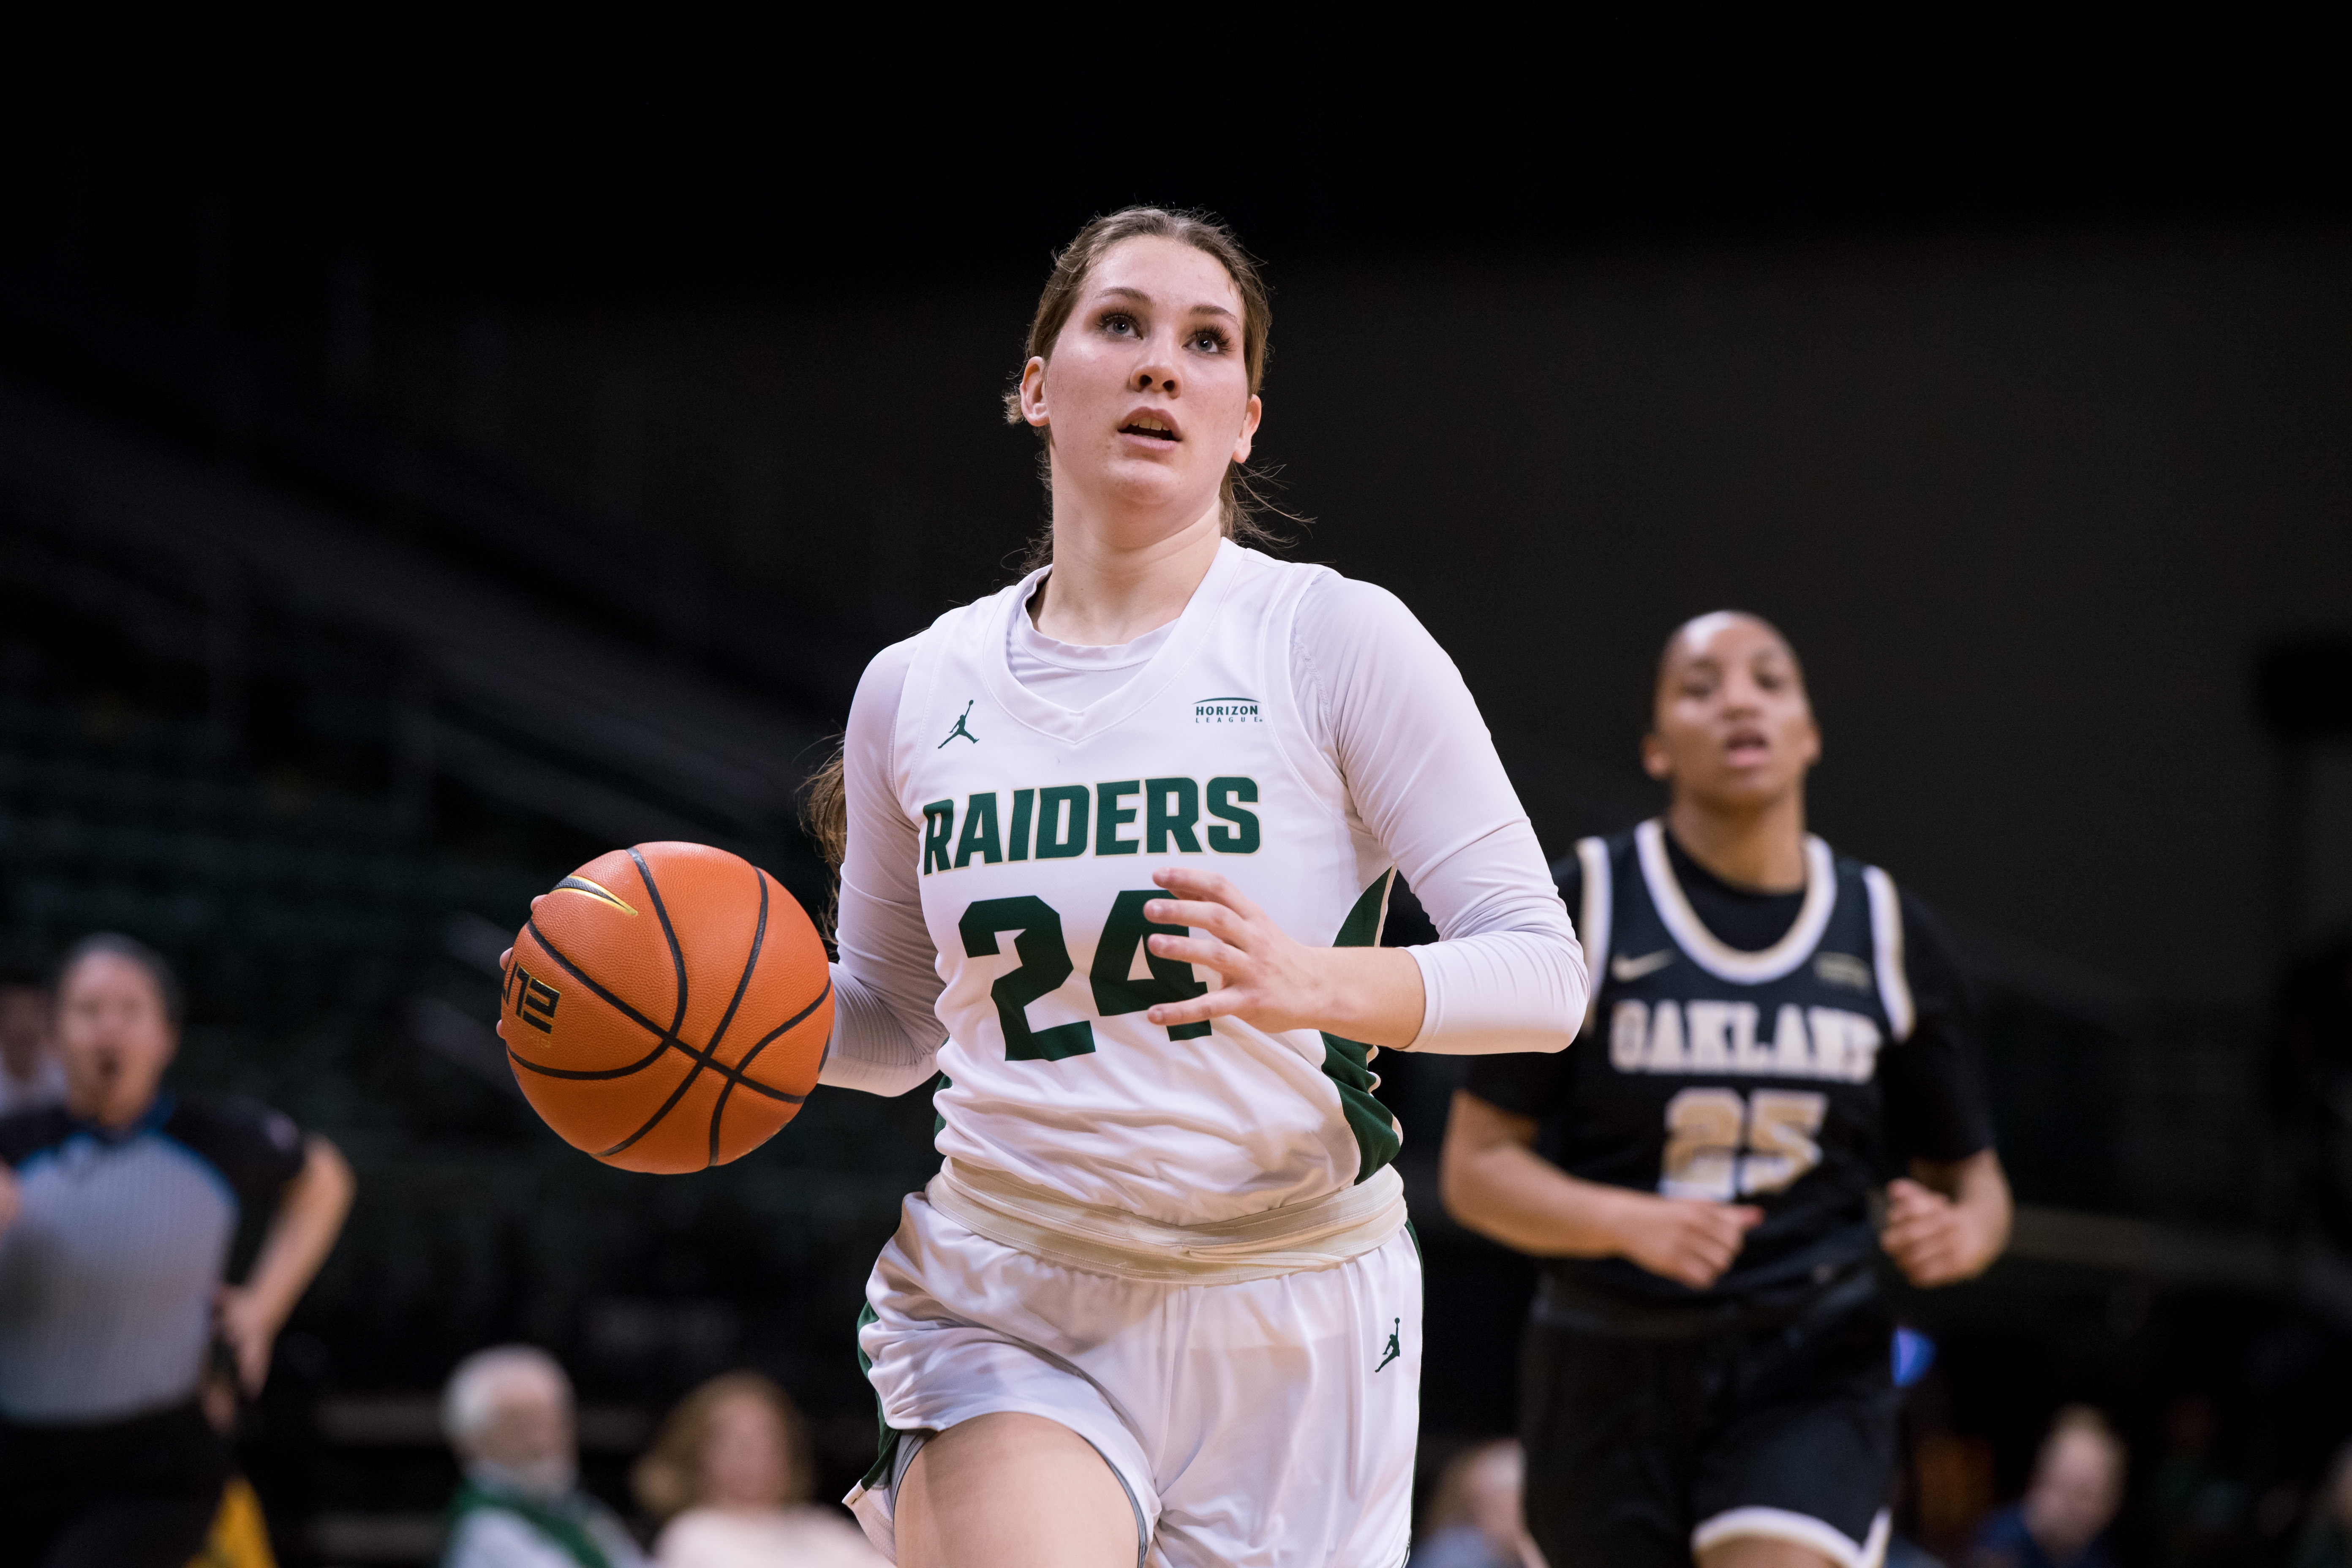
(1642, 1451)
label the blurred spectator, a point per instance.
(1476, 1518)
(508, 1412)
(117, 1210)
(30, 1074)
(730, 1472)
(2078, 1484)
(2327, 1539)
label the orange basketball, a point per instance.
(665, 1009)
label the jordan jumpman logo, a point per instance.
(960, 730)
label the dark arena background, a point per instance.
(416, 479)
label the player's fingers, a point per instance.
(1205, 951)
(1926, 1226)
(1900, 1244)
(1197, 916)
(1704, 1269)
(1682, 1265)
(1224, 1002)
(1909, 1197)
(1929, 1257)
(1714, 1245)
(1930, 1268)
(1209, 886)
(1197, 949)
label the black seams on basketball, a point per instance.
(666, 1007)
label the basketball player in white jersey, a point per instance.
(1118, 840)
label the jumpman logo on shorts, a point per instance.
(960, 730)
(1396, 1326)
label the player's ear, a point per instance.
(1250, 417)
(1654, 760)
(1810, 748)
(1033, 393)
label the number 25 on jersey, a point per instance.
(1722, 1144)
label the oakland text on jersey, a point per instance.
(1174, 814)
(1701, 1035)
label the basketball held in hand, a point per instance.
(665, 1009)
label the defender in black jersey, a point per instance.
(1774, 1030)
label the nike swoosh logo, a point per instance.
(1628, 970)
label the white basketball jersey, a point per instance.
(1042, 829)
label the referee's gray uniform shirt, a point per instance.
(107, 1276)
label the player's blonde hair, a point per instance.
(1074, 262)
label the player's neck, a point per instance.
(1108, 587)
(1761, 847)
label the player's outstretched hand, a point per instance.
(11, 1198)
(1932, 1239)
(1686, 1239)
(1265, 977)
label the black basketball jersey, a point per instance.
(1710, 1071)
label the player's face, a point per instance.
(1146, 396)
(1734, 727)
(113, 1037)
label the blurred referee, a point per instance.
(116, 1212)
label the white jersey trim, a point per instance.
(1798, 1529)
(1708, 951)
(1886, 943)
(1291, 1239)
(1593, 916)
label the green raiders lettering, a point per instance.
(1170, 815)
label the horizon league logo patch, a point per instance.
(1226, 711)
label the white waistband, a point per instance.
(1292, 1239)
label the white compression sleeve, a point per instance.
(1425, 780)
(885, 1025)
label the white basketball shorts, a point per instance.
(1270, 1424)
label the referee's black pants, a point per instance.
(140, 1493)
